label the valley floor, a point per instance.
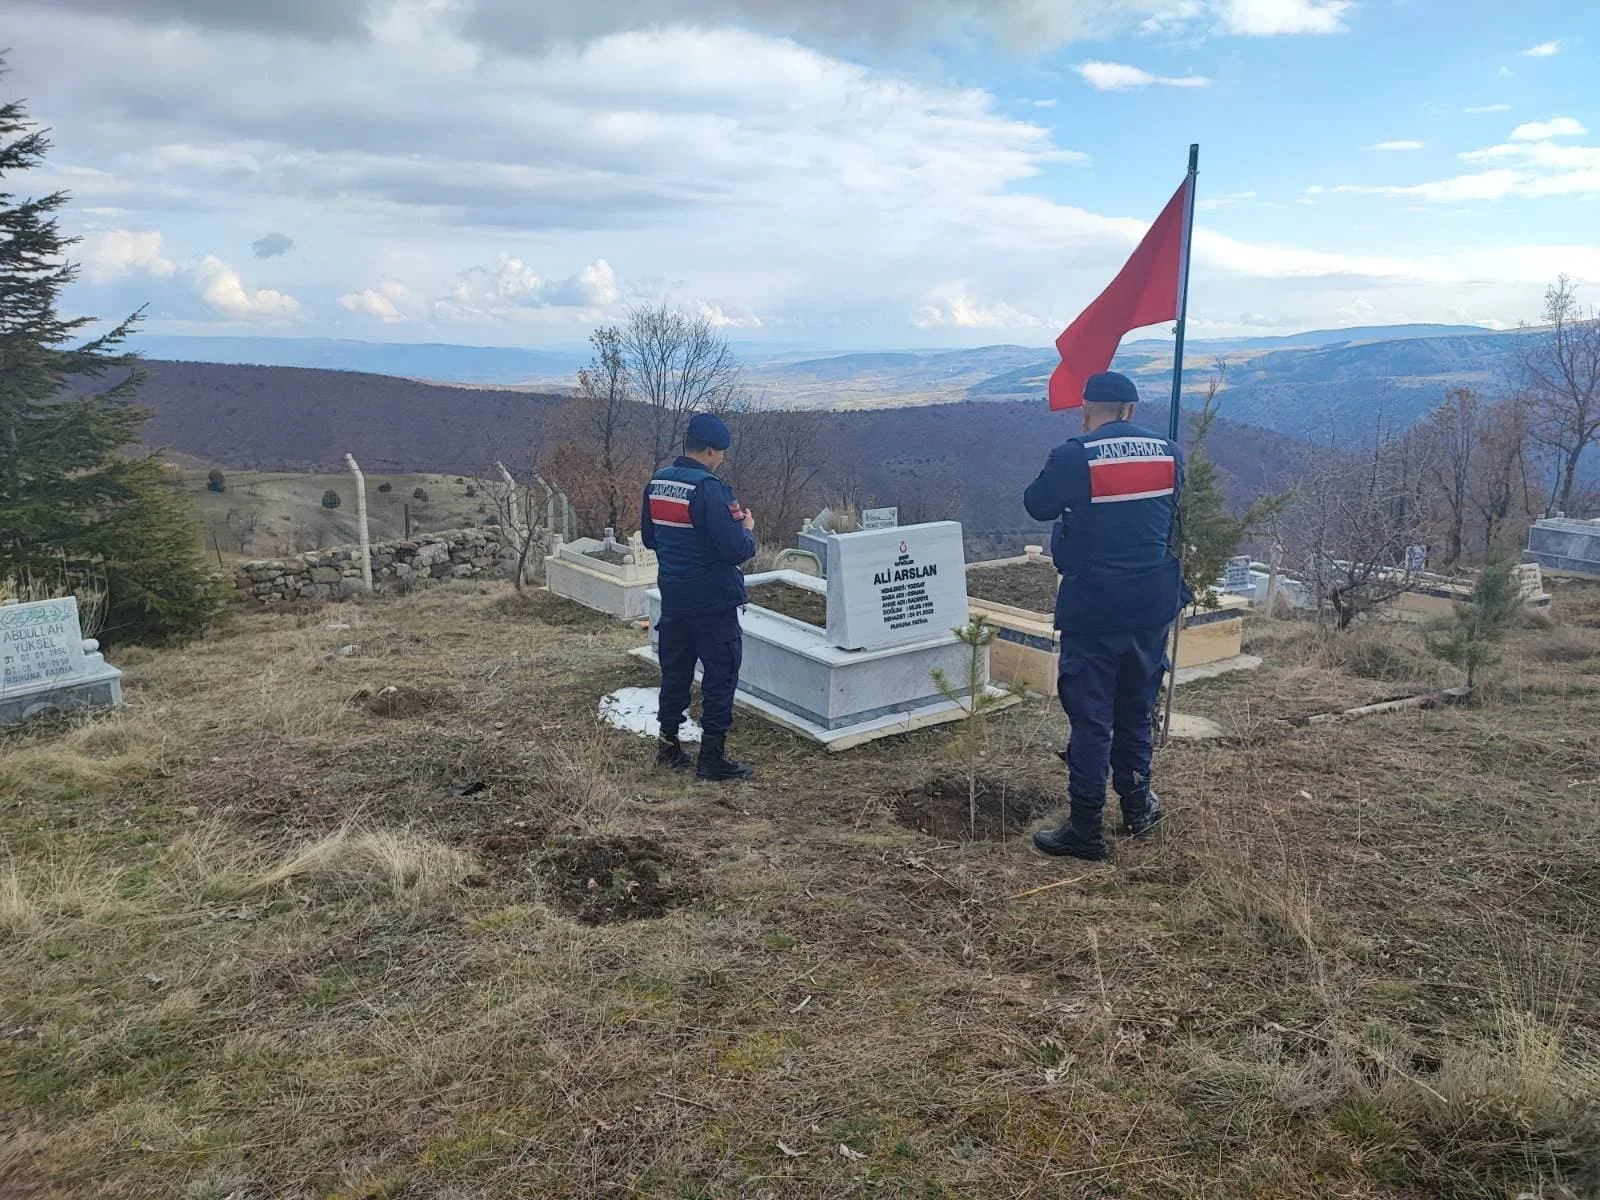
(361, 902)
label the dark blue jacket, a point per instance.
(1113, 495)
(695, 525)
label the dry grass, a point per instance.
(263, 938)
(79, 757)
(369, 863)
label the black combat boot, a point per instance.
(717, 767)
(669, 753)
(1141, 813)
(1081, 837)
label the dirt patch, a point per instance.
(800, 603)
(536, 604)
(602, 881)
(398, 700)
(614, 557)
(1030, 586)
(1005, 810)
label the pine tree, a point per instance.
(71, 506)
(1480, 623)
(1213, 536)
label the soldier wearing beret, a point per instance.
(701, 535)
(1113, 495)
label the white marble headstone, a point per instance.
(890, 587)
(41, 643)
(880, 518)
(1236, 577)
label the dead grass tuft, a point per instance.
(38, 897)
(370, 864)
(66, 760)
(1566, 644)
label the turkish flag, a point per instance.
(1145, 292)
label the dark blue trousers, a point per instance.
(712, 640)
(1109, 684)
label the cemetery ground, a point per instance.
(360, 901)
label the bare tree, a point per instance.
(1357, 519)
(242, 527)
(775, 466)
(1452, 433)
(1561, 363)
(1502, 489)
(678, 364)
(604, 390)
(518, 505)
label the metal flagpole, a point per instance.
(1172, 421)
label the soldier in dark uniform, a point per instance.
(1113, 495)
(700, 534)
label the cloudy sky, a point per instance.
(825, 173)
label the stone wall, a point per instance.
(324, 574)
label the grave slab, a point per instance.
(618, 589)
(1027, 649)
(793, 673)
(48, 666)
(1565, 544)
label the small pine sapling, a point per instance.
(1480, 623)
(978, 699)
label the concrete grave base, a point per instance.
(616, 589)
(1027, 649)
(103, 689)
(1210, 670)
(840, 698)
(935, 712)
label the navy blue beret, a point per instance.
(1109, 387)
(709, 431)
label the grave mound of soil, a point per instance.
(602, 881)
(397, 700)
(940, 809)
(614, 557)
(800, 603)
(1031, 585)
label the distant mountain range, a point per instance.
(1331, 384)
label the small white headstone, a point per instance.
(1236, 578)
(880, 518)
(890, 587)
(1529, 580)
(40, 643)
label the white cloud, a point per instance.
(114, 253)
(1271, 18)
(1226, 200)
(220, 287)
(1487, 108)
(1400, 145)
(1044, 103)
(1538, 131)
(511, 285)
(1543, 50)
(386, 302)
(1112, 77)
(953, 305)
(721, 320)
